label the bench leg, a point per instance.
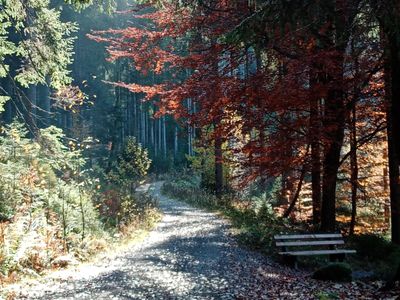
(291, 260)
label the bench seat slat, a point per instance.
(317, 252)
(309, 243)
(308, 236)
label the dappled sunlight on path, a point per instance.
(190, 255)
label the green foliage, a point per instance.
(40, 184)
(370, 246)
(3, 100)
(120, 201)
(56, 153)
(45, 43)
(189, 191)
(131, 165)
(133, 162)
(340, 272)
(203, 163)
(255, 226)
(55, 204)
(108, 6)
(16, 156)
(163, 165)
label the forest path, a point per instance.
(190, 255)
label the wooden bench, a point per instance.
(329, 242)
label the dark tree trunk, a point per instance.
(394, 185)
(32, 95)
(334, 114)
(315, 124)
(316, 182)
(176, 142)
(44, 104)
(334, 124)
(392, 80)
(354, 170)
(219, 176)
(297, 193)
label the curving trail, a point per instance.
(190, 255)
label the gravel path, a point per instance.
(190, 255)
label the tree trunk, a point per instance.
(315, 125)
(386, 207)
(354, 170)
(334, 111)
(164, 133)
(297, 193)
(334, 124)
(32, 95)
(394, 185)
(44, 103)
(176, 142)
(219, 176)
(135, 118)
(189, 129)
(392, 88)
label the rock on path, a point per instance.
(190, 255)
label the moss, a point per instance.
(340, 272)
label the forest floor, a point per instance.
(192, 254)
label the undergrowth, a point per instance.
(256, 223)
(56, 209)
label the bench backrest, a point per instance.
(329, 239)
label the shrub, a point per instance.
(378, 253)
(51, 204)
(340, 272)
(130, 167)
(370, 246)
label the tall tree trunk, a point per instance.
(334, 129)
(176, 142)
(142, 125)
(152, 132)
(394, 182)
(219, 176)
(386, 190)
(44, 103)
(315, 124)
(392, 88)
(164, 133)
(159, 135)
(297, 193)
(135, 118)
(340, 19)
(189, 129)
(354, 169)
(32, 96)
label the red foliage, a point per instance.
(263, 111)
